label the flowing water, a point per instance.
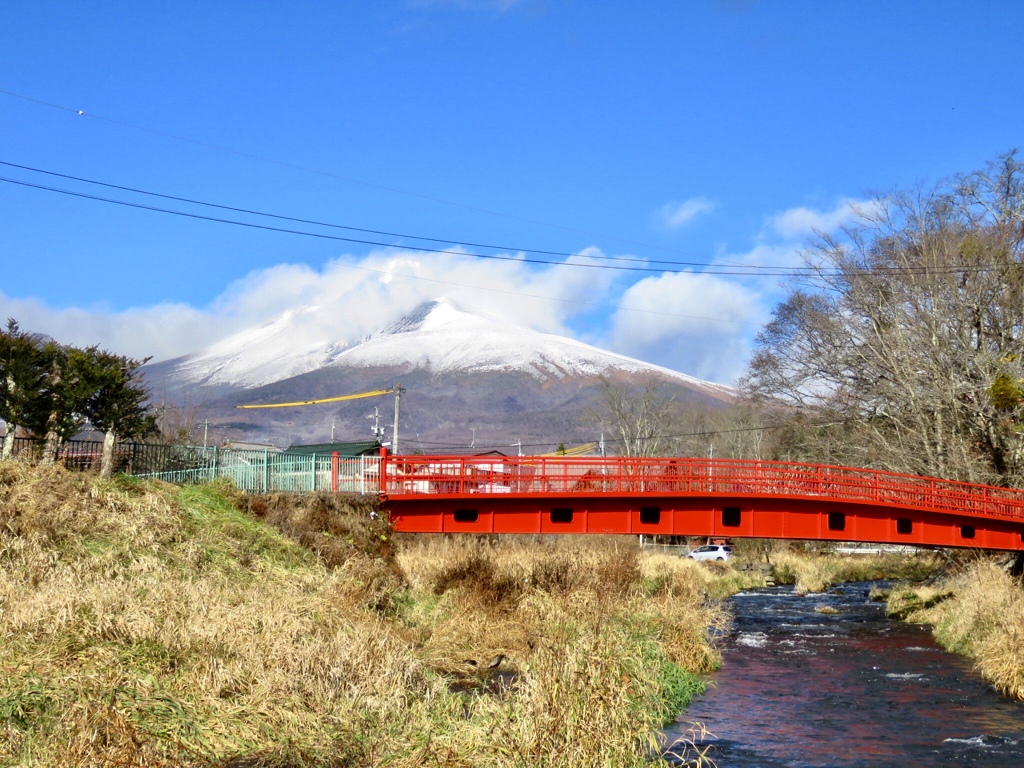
(803, 687)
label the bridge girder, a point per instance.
(733, 516)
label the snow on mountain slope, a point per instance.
(443, 338)
(438, 336)
(291, 344)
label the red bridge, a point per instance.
(694, 497)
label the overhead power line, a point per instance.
(391, 273)
(350, 228)
(363, 241)
(619, 440)
(671, 267)
(80, 113)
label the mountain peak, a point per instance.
(427, 316)
(436, 337)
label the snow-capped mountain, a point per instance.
(438, 336)
(289, 345)
(441, 337)
(461, 369)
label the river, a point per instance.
(801, 686)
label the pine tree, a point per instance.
(23, 374)
(118, 404)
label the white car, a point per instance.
(720, 552)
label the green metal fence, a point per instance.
(265, 471)
(255, 471)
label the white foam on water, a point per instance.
(906, 675)
(984, 741)
(752, 639)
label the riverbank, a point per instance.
(829, 680)
(146, 625)
(977, 612)
(812, 572)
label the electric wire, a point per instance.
(327, 174)
(746, 271)
(362, 241)
(280, 217)
(491, 289)
(320, 401)
(619, 440)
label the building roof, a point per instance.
(243, 445)
(356, 448)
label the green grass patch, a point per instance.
(678, 689)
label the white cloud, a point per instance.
(164, 330)
(695, 323)
(700, 324)
(356, 296)
(800, 222)
(674, 215)
(780, 256)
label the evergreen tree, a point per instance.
(71, 380)
(118, 404)
(23, 375)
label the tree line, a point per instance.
(50, 391)
(900, 346)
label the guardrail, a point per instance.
(412, 476)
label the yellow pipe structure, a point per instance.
(577, 451)
(375, 393)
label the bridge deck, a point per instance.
(695, 497)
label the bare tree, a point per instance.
(909, 327)
(638, 418)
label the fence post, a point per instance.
(214, 465)
(334, 472)
(266, 471)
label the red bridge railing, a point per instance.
(415, 476)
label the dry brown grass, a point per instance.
(979, 613)
(813, 573)
(335, 526)
(145, 625)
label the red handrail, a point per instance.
(413, 476)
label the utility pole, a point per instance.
(332, 431)
(206, 431)
(518, 444)
(399, 389)
(604, 453)
(473, 443)
(378, 432)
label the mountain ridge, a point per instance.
(463, 371)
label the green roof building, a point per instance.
(344, 450)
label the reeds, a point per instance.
(145, 625)
(979, 613)
(813, 573)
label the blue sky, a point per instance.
(704, 132)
